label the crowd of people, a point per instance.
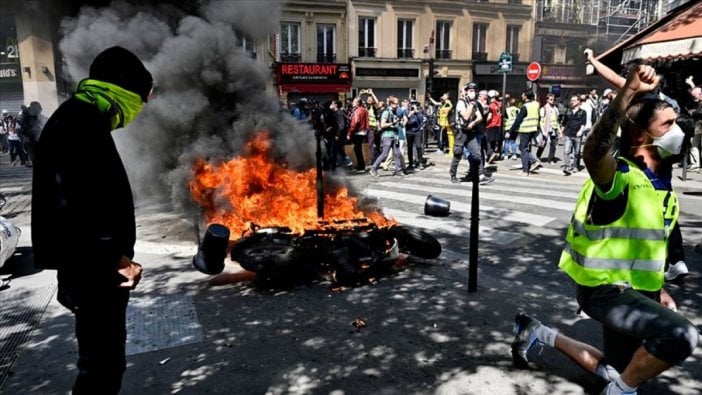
(482, 126)
(20, 132)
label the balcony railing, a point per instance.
(479, 56)
(443, 54)
(290, 57)
(326, 58)
(366, 52)
(405, 53)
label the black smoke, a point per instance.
(210, 96)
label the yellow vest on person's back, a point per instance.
(530, 123)
(632, 249)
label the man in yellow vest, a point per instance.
(445, 123)
(527, 124)
(617, 243)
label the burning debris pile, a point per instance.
(271, 212)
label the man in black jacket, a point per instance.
(83, 221)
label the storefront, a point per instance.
(399, 79)
(11, 90)
(318, 81)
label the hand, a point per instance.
(668, 301)
(642, 79)
(579, 134)
(131, 271)
(689, 80)
(507, 135)
(589, 55)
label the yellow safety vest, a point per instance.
(512, 112)
(553, 112)
(631, 250)
(530, 123)
(372, 120)
(443, 114)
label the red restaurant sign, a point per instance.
(316, 73)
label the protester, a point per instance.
(390, 139)
(527, 124)
(83, 221)
(572, 130)
(616, 246)
(357, 132)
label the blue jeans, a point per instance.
(510, 147)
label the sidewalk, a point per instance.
(425, 333)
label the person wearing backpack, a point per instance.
(467, 117)
(389, 138)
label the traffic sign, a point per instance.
(504, 65)
(533, 71)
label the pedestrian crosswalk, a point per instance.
(511, 208)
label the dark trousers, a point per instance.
(471, 148)
(16, 150)
(414, 140)
(525, 149)
(631, 319)
(100, 312)
(358, 141)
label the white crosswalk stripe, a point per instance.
(485, 211)
(512, 209)
(453, 227)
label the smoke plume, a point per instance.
(210, 95)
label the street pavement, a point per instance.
(424, 334)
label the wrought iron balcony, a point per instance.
(326, 58)
(443, 54)
(290, 57)
(366, 52)
(480, 56)
(405, 53)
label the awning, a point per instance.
(677, 35)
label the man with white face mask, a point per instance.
(617, 244)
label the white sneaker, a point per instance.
(676, 271)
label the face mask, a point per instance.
(670, 143)
(471, 95)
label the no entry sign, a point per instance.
(533, 71)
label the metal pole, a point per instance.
(320, 179)
(473, 252)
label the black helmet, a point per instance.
(471, 85)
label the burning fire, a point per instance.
(254, 189)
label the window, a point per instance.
(512, 43)
(443, 34)
(326, 43)
(366, 37)
(290, 42)
(247, 45)
(479, 40)
(404, 39)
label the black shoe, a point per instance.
(454, 180)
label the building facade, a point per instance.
(399, 48)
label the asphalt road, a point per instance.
(424, 334)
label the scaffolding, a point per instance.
(621, 19)
(581, 12)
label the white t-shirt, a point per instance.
(460, 107)
(588, 114)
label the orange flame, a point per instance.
(254, 189)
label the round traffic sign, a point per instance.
(533, 71)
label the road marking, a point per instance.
(453, 227)
(486, 211)
(512, 198)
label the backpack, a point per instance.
(451, 117)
